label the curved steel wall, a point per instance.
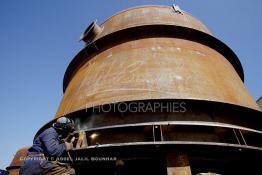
(163, 65)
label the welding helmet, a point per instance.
(64, 124)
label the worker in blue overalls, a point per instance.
(50, 146)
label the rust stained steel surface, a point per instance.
(17, 161)
(152, 67)
(155, 68)
(148, 15)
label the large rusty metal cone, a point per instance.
(161, 54)
(156, 54)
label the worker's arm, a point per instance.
(51, 144)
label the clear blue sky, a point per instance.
(39, 38)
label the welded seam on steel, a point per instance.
(188, 123)
(172, 143)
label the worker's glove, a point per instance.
(70, 136)
(69, 145)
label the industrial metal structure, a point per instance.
(156, 93)
(17, 162)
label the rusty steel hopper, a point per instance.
(160, 56)
(17, 162)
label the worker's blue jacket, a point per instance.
(46, 148)
(47, 143)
